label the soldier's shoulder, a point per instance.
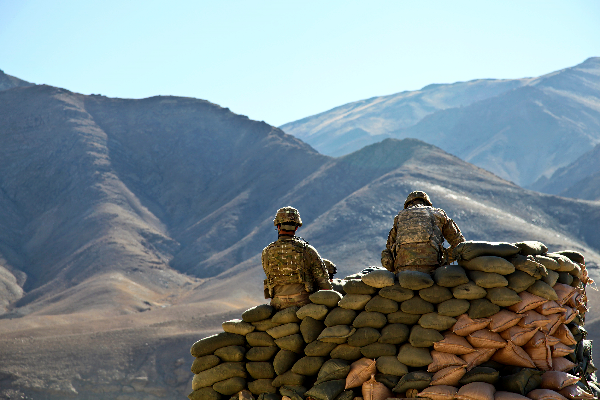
(270, 245)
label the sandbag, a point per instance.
(453, 344)
(218, 373)
(532, 248)
(311, 328)
(482, 308)
(436, 321)
(572, 255)
(382, 305)
(333, 369)
(294, 392)
(486, 339)
(551, 278)
(237, 326)
(421, 337)
(379, 278)
(564, 263)
(480, 374)
(400, 317)
(490, 264)
(205, 393)
(563, 292)
(264, 396)
(416, 305)
(450, 276)
(258, 339)
(354, 301)
(414, 280)
(293, 343)
(503, 296)
(261, 353)
(453, 307)
(533, 319)
(476, 391)
(435, 294)
(364, 336)
(561, 350)
(336, 334)
(258, 313)
(373, 390)
(519, 281)
(208, 345)
(487, 280)
(469, 291)
(562, 364)
(205, 362)
(284, 360)
(264, 325)
(390, 365)
(396, 293)
(522, 382)
(327, 390)
(442, 360)
(448, 376)
(439, 392)
(288, 378)
(548, 262)
(286, 316)
(358, 287)
(417, 380)
(308, 366)
(231, 353)
(519, 335)
(503, 320)
(340, 316)
(260, 370)
(360, 372)
(576, 393)
(529, 265)
(346, 352)
(316, 311)
(513, 355)
(477, 357)
(376, 350)
(414, 356)
(328, 298)
(319, 349)
(545, 394)
(390, 381)
(283, 330)
(370, 319)
(394, 334)
(542, 289)
(466, 325)
(471, 249)
(528, 302)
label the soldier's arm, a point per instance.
(318, 269)
(391, 237)
(451, 232)
(264, 265)
(387, 255)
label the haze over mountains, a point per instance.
(521, 130)
(131, 228)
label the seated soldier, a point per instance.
(293, 268)
(415, 242)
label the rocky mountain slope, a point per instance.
(130, 228)
(522, 130)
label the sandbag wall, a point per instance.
(506, 322)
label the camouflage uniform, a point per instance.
(415, 241)
(293, 268)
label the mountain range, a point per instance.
(131, 228)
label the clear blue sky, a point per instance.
(279, 61)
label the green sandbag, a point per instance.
(345, 395)
(390, 381)
(261, 386)
(358, 287)
(541, 288)
(418, 380)
(416, 305)
(340, 316)
(396, 293)
(503, 296)
(327, 390)
(565, 278)
(333, 369)
(382, 305)
(488, 280)
(529, 265)
(258, 339)
(522, 382)
(346, 352)
(206, 393)
(391, 366)
(379, 278)
(491, 264)
(293, 343)
(283, 361)
(354, 301)
(482, 308)
(394, 334)
(576, 282)
(471, 249)
(289, 378)
(336, 334)
(308, 366)
(469, 291)
(267, 396)
(238, 327)
(310, 329)
(264, 325)
(450, 276)
(205, 362)
(319, 349)
(261, 353)
(453, 307)
(548, 262)
(414, 280)
(572, 255)
(480, 374)
(230, 386)
(400, 317)
(532, 248)
(376, 350)
(435, 321)
(231, 353)
(258, 313)
(286, 315)
(284, 330)
(260, 370)
(294, 392)
(218, 373)
(435, 294)
(208, 345)
(564, 263)
(370, 319)
(316, 311)
(328, 298)
(363, 337)
(519, 281)
(576, 272)
(421, 337)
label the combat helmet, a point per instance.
(287, 216)
(417, 194)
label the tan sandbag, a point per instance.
(532, 319)
(442, 360)
(258, 313)
(564, 335)
(394, 334)
(561, 350)
(340, 316)
(487, 280)
(328, 298)
(390, 365)
(513, 355)
(569, 315)
(360, 372)
(354, 301)
(357, 287)
(519, 281)
(476, 391)
(396, 293)
(547, 262)
(435, 294)
(421, 337)
(453, 307)
(552, 326)
(346, 352)
(370, 319)
(502, 395)
(493, 264)
(373, 390)
(542, 289)
(436, 321)
(541, 356)
(469, 291)
(336, 334)
(528, 302)
(519, 335)
(416, 305)
(562, 364)
(576, 393)
(563, 292)
(319, 349)
(453, 344)
(450, 276)
(484, 338)
(286, 316)
(550, 307)
(382, 305)
(448, 376)
(400, 317)
(545, 394)
(414, 280)
(283, 330)
(465, 325)
(557, 380)
(531, 248)
(478, 357)
(379, 278)
(439, 392)
(208, 345)
(238, 327)
(542, 339)
(503, 320)
(414, 356)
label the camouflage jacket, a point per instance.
(418, 235)
(290, 260)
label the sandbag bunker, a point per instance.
(506, 323)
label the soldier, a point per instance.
(415, 241)
(293, 268)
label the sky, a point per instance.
(279, 61)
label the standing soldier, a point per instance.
(415, 241)
(293, 268)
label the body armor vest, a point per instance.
(418, 225)
(286, 264)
